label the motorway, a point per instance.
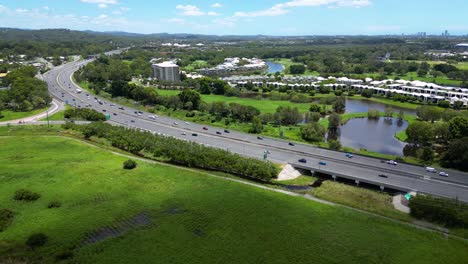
(402, 177)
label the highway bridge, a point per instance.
(361, 169)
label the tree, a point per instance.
(313, 132)
(456, 155)
(315, 108)
(257, 126)
(441, 132)
(420, 133)
(388, 112)
(312, 117)
(373, 114)
(36, 240)
(443, 104)
(297, 69)
(334, 121)
(401, 116)
(367, 93)
(458, 127)
(428, 113)
(340, 104)
(192, 96)
(427, 154)
(287, 115)
(457, 105)
(334, 144)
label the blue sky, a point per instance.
(270, 17)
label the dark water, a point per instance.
(373, 135)
(359, 106)
(274, 67)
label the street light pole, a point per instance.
(47, 113)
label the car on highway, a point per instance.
(259, 138)
(115, 114)
(151, 117)
(227, 131)
(104, 110)
(195, 134)
(430, 169)
(205, 128)
(183, 133)
(383, 176)
(176, 124)
(302, 161)
(348, 155)
(392, 162)
(443, 174)
(291, 144)
(121, 108)
(218, 133)
(322, 163)
(133, 121)
(187, 123)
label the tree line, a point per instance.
(177, 151)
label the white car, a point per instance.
(430, 169)
(443, 174)
(392, 162)
(187, 123)
(152, 117)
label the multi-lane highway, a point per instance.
(362, 169)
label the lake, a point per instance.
(362, 105)
(373, 135)
(274, 67)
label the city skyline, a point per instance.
(277, 18)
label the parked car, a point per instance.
(322, 163)
(392, 162)
(443, 174)
(430, 169)
(303, 161)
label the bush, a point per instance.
(447, 212)
(85, 114)
(54, 204)
(64, 255)
(373, 114)
(6, 217)
(36, 240)
(129, 164)
(367, 93)
(334, 144)
(26, 195)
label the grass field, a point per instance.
(10, 115)
(57, 116)
(185, 216)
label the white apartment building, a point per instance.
(166, 71)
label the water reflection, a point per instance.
(375, 135)
(274, 67)
(360, 106)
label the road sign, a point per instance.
(108, 117)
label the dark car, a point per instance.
(291, 144)
(115, 114)
(194, 134)
(383, 176)
(205, 128)
(303, 161)
(322, 163)
(260, 138)
(218, 133)
(133, 121)
(104, 110)
(140, 112)
(226, 131)
(121, 108)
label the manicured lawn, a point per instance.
(59, 116)
(185, 216)
(10, 115)
(302, 180)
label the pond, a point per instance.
(274, 67)
(360, 106)
(373, 135)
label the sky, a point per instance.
(241, 17)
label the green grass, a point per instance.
(302, 180)
(10, 115)
(198, 64)
(59, 116)
(368, 200)
(212, 220)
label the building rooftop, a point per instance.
(166, 64)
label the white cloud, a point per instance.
(190, 10)
(45, 8)
(102, 5)
(211, 13)
(106, 2)
(283, 8)
(216, 5)
(177, 21)
(21, 10)
(3, 9)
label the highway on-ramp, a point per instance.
(402, 177)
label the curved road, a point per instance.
(402, 177)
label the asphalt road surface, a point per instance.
(402, 177)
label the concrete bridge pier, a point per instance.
(357, 182)
(334, 177)
(382, 188)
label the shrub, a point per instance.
(129, 164)
(36, 240)
(334, 144)
(448, 212)
(373, 114)
(26, 195)
(367, 93)
(6, 217)
(54, 204)
(64, 255)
